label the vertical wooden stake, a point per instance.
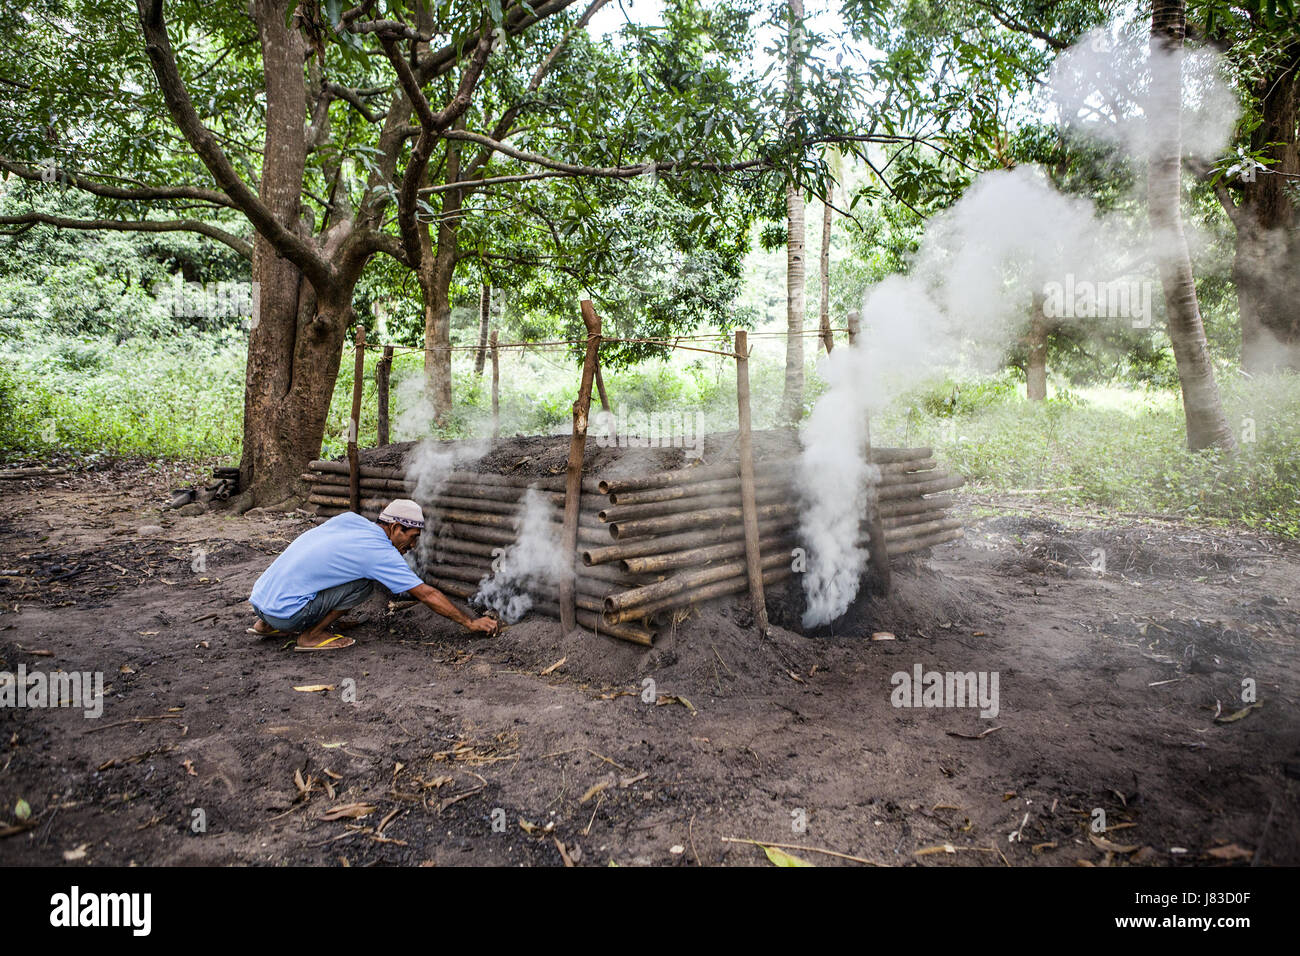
(382, 372)
(496, 388)
(748, 507)
(854, 326)
(573, 475)
(354, 425)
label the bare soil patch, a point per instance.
(1109, 688)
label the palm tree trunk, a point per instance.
(1206, 424)
(1036, 366)
(792, 402)
(484, 316)
(825, 273)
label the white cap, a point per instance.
(403, 511)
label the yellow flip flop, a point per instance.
(275, 633)
(328, 644)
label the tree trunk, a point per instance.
(294, 345)
(1036, 365)
(1265, 268)
(1206, 424)
(792, 403)
(484, 317)
(437, 266)
(794, 304)
(825, 274)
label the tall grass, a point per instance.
(1119, 449)
(142, 397)
(1115, 449)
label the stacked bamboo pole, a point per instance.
(647, 546)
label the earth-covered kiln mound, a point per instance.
(660, 529)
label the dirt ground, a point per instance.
(485, 751)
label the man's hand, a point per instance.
(434, 599)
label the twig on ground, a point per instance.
(809, 849)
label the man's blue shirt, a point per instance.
(346, 548)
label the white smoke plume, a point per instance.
(967, 296)
(431, 463)
(532, 565)
(1102, 89)
(414, 409)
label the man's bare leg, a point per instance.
(320, 631)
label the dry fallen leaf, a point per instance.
(564, 853)
(980, 736)
(883, 636)
(78, 854)
(1237, 715)
(781, 858)
(1102, 843)
(1230, 852)
(313, 688)
(189, 767)
(672, 699)
(596, 788)
(350, 811)
(941, 848)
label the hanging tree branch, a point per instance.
(431, 127)
(242, 246)
(319, 271)
(140, 194)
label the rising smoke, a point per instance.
(532, 565)
(966, 297)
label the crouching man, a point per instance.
(333, 567)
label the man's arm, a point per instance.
(436, 601)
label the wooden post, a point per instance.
(496, 388)
(354, 425)
(573, 475)
(854, 326)
(382, 372)
(748, 507)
